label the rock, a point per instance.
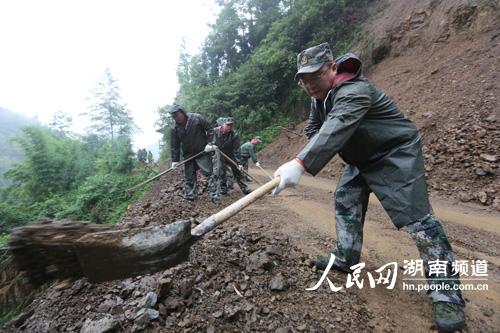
(149, 300)
(210, 271)
(480, 172)
(231, 312)
(105, 306)
(277, 282)
(147, 283)
(117, 310)
(186, 322)
(464, 197)
(77, 287)
(151, 314)
(65, 284)
(283, 330)
(217, 314)
(276, 250)
(164, 286)
(258, 260)
(174, 303)
(144, 317)
(482, 197)
(488, 157)
(106, 324)
(496, 203)
(186, 287)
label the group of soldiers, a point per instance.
(215, 152)
(382, 150)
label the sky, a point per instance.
(53, 53)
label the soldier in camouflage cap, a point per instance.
(312, 59)
(382, 151)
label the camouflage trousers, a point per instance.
(204, 164)
(351, 203)
(244, 164)
(223, 178)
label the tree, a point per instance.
(49, 166)
(61, 122)
(246, 67)
(110, 117)
(163, 125)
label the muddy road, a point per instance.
(306, 216)
(250, 274)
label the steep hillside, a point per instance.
(439, 61)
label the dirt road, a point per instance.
(306, 216)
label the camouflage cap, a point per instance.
(220, 121)
(176, 107)
(229, 120)
(311, 59)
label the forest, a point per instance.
(245, 69)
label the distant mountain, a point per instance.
(11, 124)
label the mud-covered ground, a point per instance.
(243, 276)
(250, 274)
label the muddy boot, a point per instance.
(449, 317)
(322, 262)
(246, 190)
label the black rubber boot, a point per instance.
(449, 317)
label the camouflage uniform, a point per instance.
(229, 143)
(382, 150)
(351, 203)
(248, 152)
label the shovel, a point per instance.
(118, 254)
(132, 189)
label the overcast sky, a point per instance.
(52, 53)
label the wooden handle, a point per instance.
(233, 209)
(132, 189)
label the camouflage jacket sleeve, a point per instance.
(253, 155)
(313, 123)
(175, 145)
(350, 105)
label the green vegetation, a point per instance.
(10, 127)
(64, 175)
(247, 64)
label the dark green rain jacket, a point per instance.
(248, 151)
(191, 138)
(374, 138)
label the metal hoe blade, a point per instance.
(111, 255)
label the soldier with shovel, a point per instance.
(382, 149)
(192, 133)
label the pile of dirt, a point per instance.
(240, 277)
(439, 61)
